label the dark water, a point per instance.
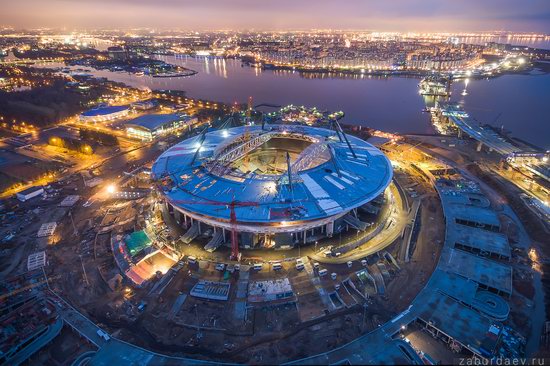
(390, 104)
(520, 103)
(540, 42)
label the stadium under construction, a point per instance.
(272, 185)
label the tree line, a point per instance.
(100, 137)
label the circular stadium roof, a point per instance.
(202, 175)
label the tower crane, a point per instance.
(232, 218)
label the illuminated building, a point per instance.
(29, 193)
(150, 126)
(102, 114)
(289, 184)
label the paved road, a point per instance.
(35, 346)
(78, 321)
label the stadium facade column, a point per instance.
(177, 216)
(330, 229)
(479, 146)
(169, 208)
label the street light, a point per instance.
(111, 188)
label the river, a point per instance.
(520, 101)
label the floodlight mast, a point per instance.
(345, 138)
(202, 137)
(289, 170)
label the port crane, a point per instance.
(232, 218)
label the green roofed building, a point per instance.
(137, 241)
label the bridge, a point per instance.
(484, 135)
(267, 105)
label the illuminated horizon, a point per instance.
(434, 16)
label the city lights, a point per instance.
(111, 189)
(262, 195)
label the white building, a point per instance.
(148, 127)
(29, 193)
(103, 114)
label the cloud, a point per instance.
(399, 15)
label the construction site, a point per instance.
(308, 245)
(276, 186)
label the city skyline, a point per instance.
(399, 16)
(274, 183)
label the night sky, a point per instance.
(394, 15)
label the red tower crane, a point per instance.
(232, 218)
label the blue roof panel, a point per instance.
(154, 121)
(104, 110)
(317, 193)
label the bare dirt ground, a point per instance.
(413, 275)
(63, 350)
(208, 329)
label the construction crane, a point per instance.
(249, 110)
(246, 136)
(232, 218)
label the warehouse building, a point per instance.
(29, 193)
(150, 126)
(102, 114)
